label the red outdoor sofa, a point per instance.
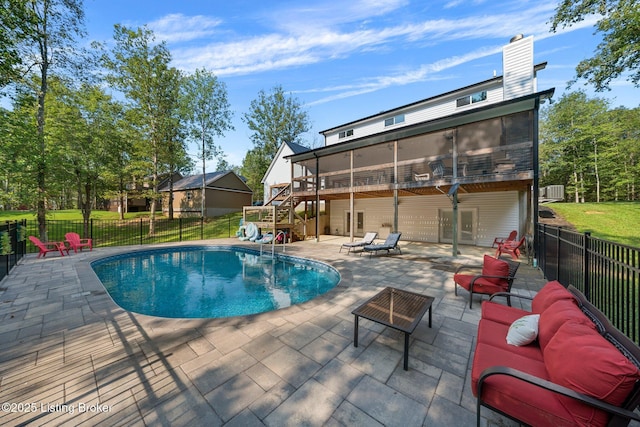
(562, 364)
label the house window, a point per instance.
(471, 99)
(188, 195)
(345, 133)
(394, 120)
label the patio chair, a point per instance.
(511, 248)
(499, 240)
(366, 240)
(45, 247)
(439, 169)
(494, 275)
(390, 244)
(75, 242)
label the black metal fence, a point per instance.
(109, 233)
(12, 245)
(607, 273)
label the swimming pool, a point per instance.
(211, 281)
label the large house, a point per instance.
(396, 170)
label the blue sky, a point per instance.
(344, 60)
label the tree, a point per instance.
(274, 119)
(84, 136)
(619, 50)
(49, 45)
(16, 25)
(140, 69)
(208, 115)
(573, 131)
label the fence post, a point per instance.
(586, 267)
(202, 228)
(180, 227)
(558, 253)
(91, 228)
(140, 230)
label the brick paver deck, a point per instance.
(69, 355)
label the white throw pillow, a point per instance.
(524, 330)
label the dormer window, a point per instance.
(471, 99)
(394, 120)
(345, 133)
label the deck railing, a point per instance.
(607, 273)
(12, 245)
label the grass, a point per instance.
(614, 221)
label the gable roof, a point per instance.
(295, 149)
(195, 181)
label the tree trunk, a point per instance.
(42, 153)
(597, 176)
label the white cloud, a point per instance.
(177, 27)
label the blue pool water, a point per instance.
(211, 282)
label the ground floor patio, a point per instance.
(70, 355)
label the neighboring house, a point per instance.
(133, 201)
(226, 192)
(393, 170)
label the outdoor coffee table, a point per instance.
(397, 309)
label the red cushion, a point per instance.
(495, 267)
(501, 313)
(550, 293)
(480, 285)
(495, 334)
(578, 357)
(531, 404)
(556, 315)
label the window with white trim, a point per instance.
(394, 120)
(471, 99)
(345, 133)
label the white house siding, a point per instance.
(419, 216)
(430, 111)
(279, 173)
(518, 68)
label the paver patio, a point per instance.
(69, 355)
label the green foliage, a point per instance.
(274, 119)
(591, 150)
(614, 221)
(619, 51)
(16, 25)
(5, 243)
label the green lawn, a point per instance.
(615, 221)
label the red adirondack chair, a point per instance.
(45, 247)
(75, 242)
(512, 248)
(499, 240)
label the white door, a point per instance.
(466, 226)
(359, 226)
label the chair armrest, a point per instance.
(556, 388)
(469, 267)
(510, 294)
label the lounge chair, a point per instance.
(499, 240)
(496, 275)
(366, 240)
(511, 248)
(75, 242)
(390, 244)
(46, 247)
